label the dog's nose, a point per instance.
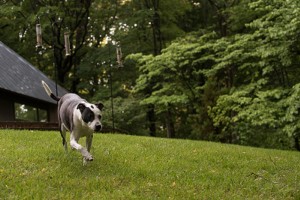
(98, 127)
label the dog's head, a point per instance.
(91, 115)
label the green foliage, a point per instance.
(292, 106)
(250, 73)
(33, 165)
(258, 102)
(176, 80)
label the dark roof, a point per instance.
(19, 76)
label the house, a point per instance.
(22, 97)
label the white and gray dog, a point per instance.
(80, 118)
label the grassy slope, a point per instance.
(33, 165)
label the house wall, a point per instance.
(7, 109)
(7, 112)
(52, 113)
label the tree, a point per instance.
(253, 108)
(158, 15)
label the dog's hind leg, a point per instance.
(63, 135)
(89, 140)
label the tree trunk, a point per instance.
(170, 124)
(297, 144)
(157, 38)
(151, 119)
(157, 47)
(78, 32)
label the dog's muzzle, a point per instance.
(98, 128)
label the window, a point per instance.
(28, 113)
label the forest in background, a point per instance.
(216, 70)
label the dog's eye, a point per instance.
(90, 116)
(100, 117)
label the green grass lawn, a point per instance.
(33, 165)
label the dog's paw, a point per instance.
(86, 155)
(86, 160)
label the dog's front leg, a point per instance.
(89, 140)
(74, 144)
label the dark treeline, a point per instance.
(218, 70)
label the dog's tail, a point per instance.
(49, 92)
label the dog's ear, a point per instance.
(81, 107)
(99, 105)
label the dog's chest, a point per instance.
(81, 131)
